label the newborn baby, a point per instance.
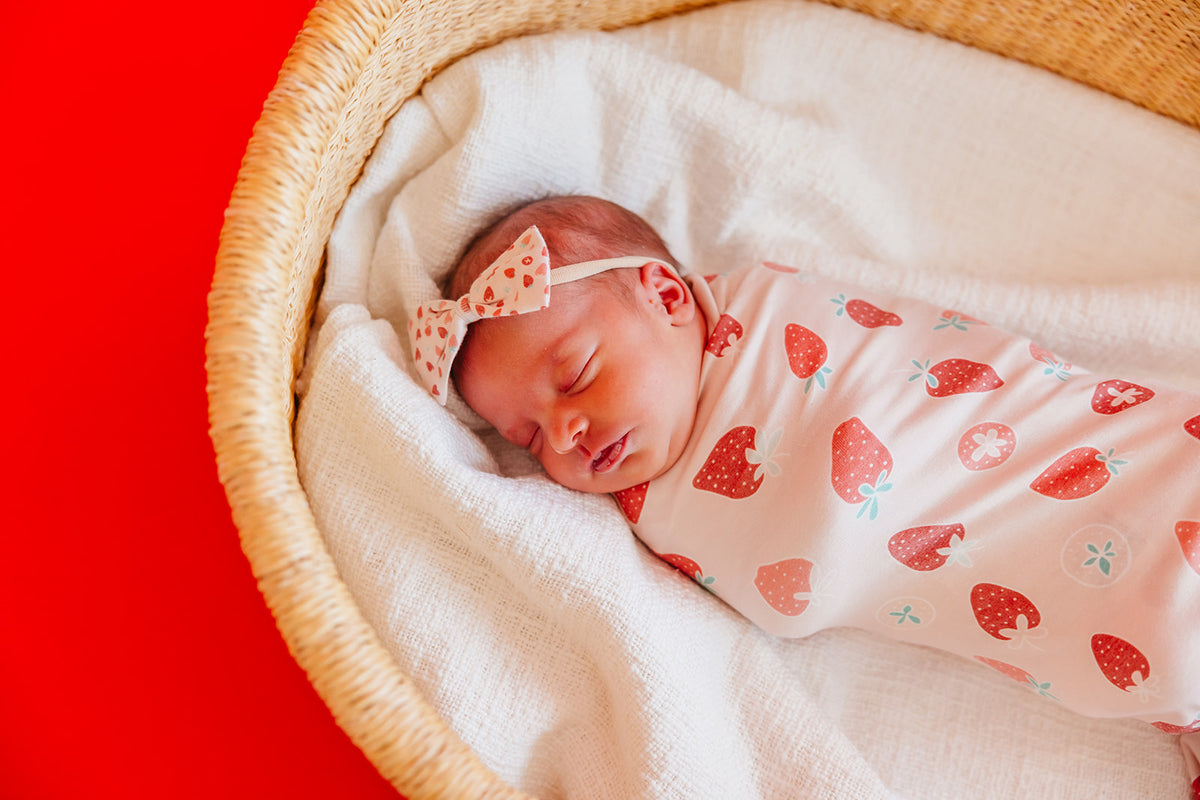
(818, 454)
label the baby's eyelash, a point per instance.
(578, 376)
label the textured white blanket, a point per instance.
(574, 662)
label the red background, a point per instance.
(137, 658)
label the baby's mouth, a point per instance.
(609, 456)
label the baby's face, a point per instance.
(601, 388)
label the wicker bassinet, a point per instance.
(352, 66)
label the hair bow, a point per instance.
(518, 282)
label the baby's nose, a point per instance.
(567, 432)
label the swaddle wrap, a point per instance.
(877, 462)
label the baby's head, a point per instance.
(601, 386)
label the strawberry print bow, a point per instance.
(516, 283)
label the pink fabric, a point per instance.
(872, 461)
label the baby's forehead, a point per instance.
(542, 335)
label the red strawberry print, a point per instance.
(1016, 673)
(1005, 614)
(1019, 675)
(1192, 426)
(688, 567)
(930, 546)
(735, 468)
(632, 500)
(861, 466)
(682, 563)
(725, 334)
(864, 313)
(786, 585)
(956, 376)
(1188, 534)
(1112, 397)
(1054, 365)
(806, 353)
(1122, 664)
(785, 269)
(957, 321)
(1079, 473)
(1177, 730)
(986, 445)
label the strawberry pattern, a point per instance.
(930, 546)
(1016, 510)
(806, 353)
(860, 466)
(631, 501)
(1115, 396)
(1188, 534)
(688, 567)
(1079, 473)
(724, 335)
(738, 462)
(1019, 675)
(1053, 364)
(986, 445)
(956, 376)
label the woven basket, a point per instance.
(352, 66)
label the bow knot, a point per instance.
(517, 282)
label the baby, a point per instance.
(818, 454)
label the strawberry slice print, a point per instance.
(861, 466)
(632, 500)
(1054, 365)
(906, 612)
(1078, 473)
(1006, 614)
(739, 463)
(1115, 396)
(956, 376)
(725, 334)
(1192, 426)
(1019, 675)
(928, 547)
(806, 353)
(957, 321)
(1188, 534)
(688, 567)
(986, 445)
(864, 313)
(1124, 665)
(786, 585)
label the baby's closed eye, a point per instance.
(583, 377)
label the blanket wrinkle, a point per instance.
(857, 149)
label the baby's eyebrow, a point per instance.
(560, 354)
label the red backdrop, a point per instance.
(137, 658)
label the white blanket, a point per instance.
(574, 662)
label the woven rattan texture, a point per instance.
(352, 66)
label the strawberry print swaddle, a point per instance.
(865, 460)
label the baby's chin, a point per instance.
(612, 484)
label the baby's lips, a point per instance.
(610, 456)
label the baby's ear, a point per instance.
(663, 287)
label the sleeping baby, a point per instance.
(818, 454)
